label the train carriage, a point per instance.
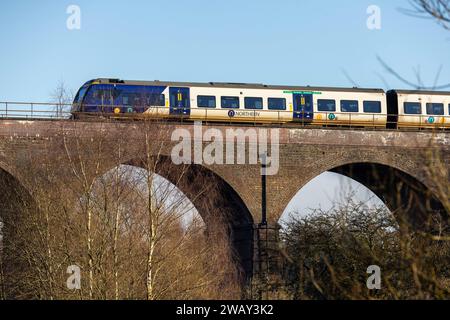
(418, 108)
(259, 103)
(354, 107)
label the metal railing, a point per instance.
(62, 111)
(35, 110)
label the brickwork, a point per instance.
(304, 154)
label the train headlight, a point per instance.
(116, 110)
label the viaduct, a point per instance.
(408, 170)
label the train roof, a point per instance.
(232, 85)
(424, 92)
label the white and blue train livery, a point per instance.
(259, 103)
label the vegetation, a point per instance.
(327, 253)
(132, 233)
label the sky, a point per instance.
(288, 42)
(274, 42)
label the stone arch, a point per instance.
(402, 192)
(238, 218)
(402, 188)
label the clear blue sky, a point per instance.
(275, 42)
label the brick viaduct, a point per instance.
(407, 170)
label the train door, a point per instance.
(303, 107)
(179, 101)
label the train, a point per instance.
(260, 103)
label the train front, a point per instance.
(78, 106)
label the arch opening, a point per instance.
(200, 193)
(327, 192)
(339, 243)
(409, 199)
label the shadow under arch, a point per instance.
(16, 202)
(213, 198)
(13, 194)
(408, 198)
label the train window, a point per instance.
(326, 105)
(81, 93)
(116, 93)
(277, 103)
(253, 103)
(349, 106)
(372, 106)
(435, 108)
(98, 93)
(156, 99)
(230, 102)
(206, 101)
(412, 107)
(130, 99)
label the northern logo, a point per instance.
(231, 113)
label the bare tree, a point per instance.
(62, 97)
(438, 10)
(418, 83)
(327, 254)
(134, 234)
(2, 289)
